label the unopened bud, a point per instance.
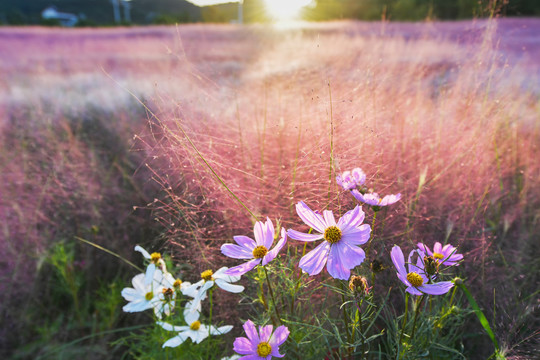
(377, 266)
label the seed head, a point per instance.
(359, 285)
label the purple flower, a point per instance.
(351, 179)
(374, 199)
(416, 279)
(258, 250)
(340, 248)
(444, 255)
(261, 346)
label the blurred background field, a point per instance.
(447, 113)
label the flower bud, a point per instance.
(431, 265)
(359, 284)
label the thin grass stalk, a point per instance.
(417, 310)
(403, 324)
(272, 294)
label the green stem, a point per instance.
(403, 324)
(359, 312)
(272, 294)
(417, 310)
(345, 318)
(331, 144)
(371, 235)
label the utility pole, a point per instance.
(116, 10)
(241, 11)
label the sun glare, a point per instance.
(282, 10)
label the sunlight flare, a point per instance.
(283, 10)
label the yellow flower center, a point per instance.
(415, 279)
(195, 325)
(332, 234)
(259, 252)
(177, 283)
(207, 275)
(149, 296)
(264, 349)
(154, 257)
(438, 256)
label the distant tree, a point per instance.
(16, 17)
(255, 11)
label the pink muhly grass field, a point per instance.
(444, 113)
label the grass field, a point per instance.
(118, 136)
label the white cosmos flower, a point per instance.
(154, 289)
(143, 296)
(155, 259)
(194, 330)
(198, 290)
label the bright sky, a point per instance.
(277, 9)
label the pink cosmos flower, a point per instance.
(261, 346)
(446, 255)
(374, 199)
(257, 250)
(340, 249)
(416, 279)
(351, 179)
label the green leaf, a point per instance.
(480, 315)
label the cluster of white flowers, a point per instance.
(159, 290)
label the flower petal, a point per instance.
(220, 274)
(351, 219)
(242, 346)
(268, 234)
(236, 252)
(413, 290)
(399, 261)
(220, 330)
(297, 235)
(309, 217)
(358, 236)
(436, 289)
(335, 265)
(437, 248)
(273, 253)
(265, 332)
(251, 332)
(243, 268)
(424, 248)
(143, 252)
(245, 242)
(175, 341)
(259, 231)
(149, 276)
(201, 294)
(229, 287)
(280, 335)
(170, 327)
(313, 262)
(329, 218)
